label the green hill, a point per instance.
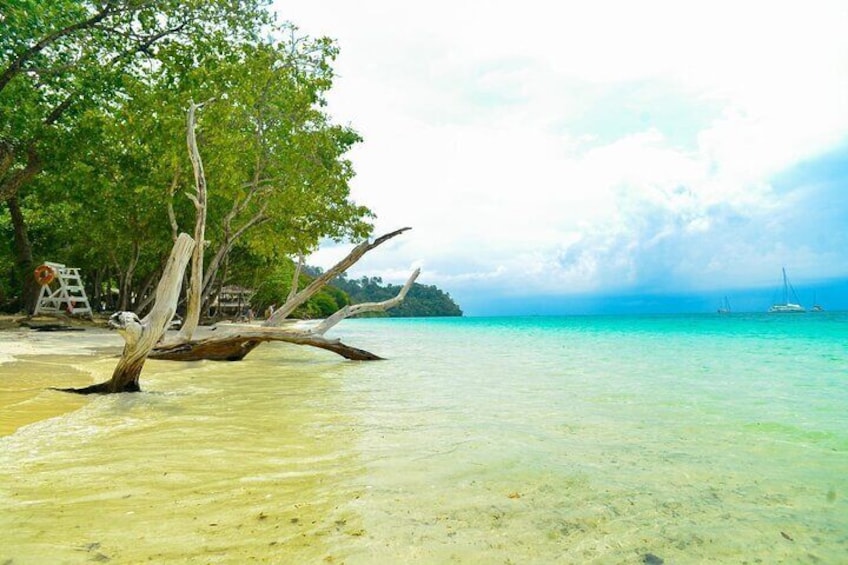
(273, 288)
(422, 300)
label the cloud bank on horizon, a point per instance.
(542, 148)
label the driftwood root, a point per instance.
(101, 388)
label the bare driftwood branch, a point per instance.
(286, 309)
(354, 309)
(142, 335)
(172, 217)
(295, 278)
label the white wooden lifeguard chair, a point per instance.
(68, 298)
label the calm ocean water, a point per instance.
(638, 439)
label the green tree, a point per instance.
(274, 283)
(60, 58)
(114, 159)
(278, 178)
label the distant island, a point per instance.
(422, 300)
(270, 291)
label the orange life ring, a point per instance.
(44, 274)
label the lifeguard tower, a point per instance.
(61, 291)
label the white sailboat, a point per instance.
(786, 307)
(725, 307)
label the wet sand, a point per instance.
(32, 362)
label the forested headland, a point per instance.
(422, 300)
(94, 171)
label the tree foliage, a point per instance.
(273, 284)
(59, 59)
(92, 150)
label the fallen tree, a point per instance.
(234, 344)
(144, 337)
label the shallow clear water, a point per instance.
(480, 440)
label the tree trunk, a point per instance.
(195, 287)
(126, 298)
(95, 291)
(235, 346)
(23, 257)
(142, 335)
(144, 294)
(12, 183)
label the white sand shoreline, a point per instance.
(15, 343)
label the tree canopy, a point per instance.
(93, 164)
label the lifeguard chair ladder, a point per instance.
(68, 298)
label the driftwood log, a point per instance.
(235, 344)
(142, 335)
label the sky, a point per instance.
(560, 157)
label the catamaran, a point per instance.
(786, 307)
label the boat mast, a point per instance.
(785, 287)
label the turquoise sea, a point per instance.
(592, 439)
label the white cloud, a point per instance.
(584, 146)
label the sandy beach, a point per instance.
(31, 362)
(601, 445)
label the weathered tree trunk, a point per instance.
(142, 335)
(195, 287)
(235, 346)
